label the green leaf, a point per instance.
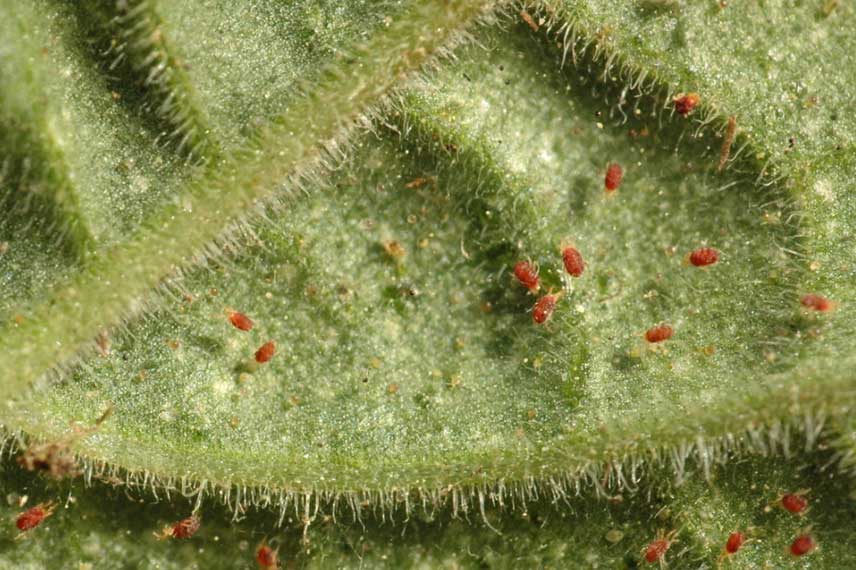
(167, 163)
(100, 526)
(445, 324)
(54, 330)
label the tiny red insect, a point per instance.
(266, 352)
(240, 321)
(656, 549)
(794, 502)
(704, 256)
(573, 261)
(544, 308)
(802, 544)
(527, 274)
(817, 303)
(685, 103)
(735, 541)
(182, 529)
(187, 527)
(31, 518)
(266, 557)
(613, 178)
(659, 333)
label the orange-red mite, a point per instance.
(527, 274)
(186, 528)
(240, 321)
(659, 333)
(802, 544)
(656, 550)
(613, 178)
(544, 308)
(817, 303)
(265, 352)
(685, 104)
(704, 256)
(794, 503)
(735, 541)
(573, 261)
(266, 557)
(31, 518)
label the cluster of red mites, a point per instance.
(792, 502)
(526, 273)
(242, 322)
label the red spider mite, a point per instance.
(704, 256)
(803, 544)
(613, 178)
(659, 333)
(543, 309)
(573, 261)
(735, 542)
(817, 303)
(794, 502)
(266, 557)
(31, 518)
(265, 352)
(182, 529)
(527, 273)
(685, 103)
(656, 550)
(240, 321)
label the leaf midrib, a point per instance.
(119, 280)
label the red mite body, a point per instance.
(266, 557)
(613, 178)
(656, 550)
(704, 256)
(527, 274)
(802, 544)
(659, 333)
(240, 321)
(816, 303)
(30, 519)
(265, 352)
(735, 542)
(794, 503)
(544, 308)
(186, 528)
(573, 260)
(685, 104)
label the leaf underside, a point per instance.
(477, 382)
(408, 370)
